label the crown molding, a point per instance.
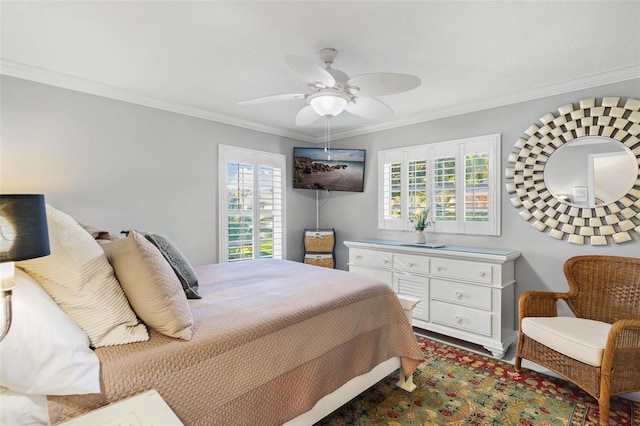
(585, 82)
(40, 75)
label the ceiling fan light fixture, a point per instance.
(328, 104)
(333, 91)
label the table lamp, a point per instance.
(23, 235)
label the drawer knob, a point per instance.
(410, 265)
(438, 268)
(482, 274)
(358, 257)
(386, 261)
(458, 319)
(458, 295)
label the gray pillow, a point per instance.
(178, 262)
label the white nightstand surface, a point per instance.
(146, 409)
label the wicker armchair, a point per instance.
(605, 290)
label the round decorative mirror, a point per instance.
(591, 171)
(577, 173)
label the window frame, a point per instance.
(458, 149)
(256, 159)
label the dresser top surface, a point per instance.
(436, 248)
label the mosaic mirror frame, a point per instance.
(610, 117)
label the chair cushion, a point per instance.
(578, 338)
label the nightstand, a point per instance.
(147, 408)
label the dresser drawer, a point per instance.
(386, 276)
(416, 286)
(461, 270)
(475, 296)
(411, 263)
(377, 259)
(462, 318)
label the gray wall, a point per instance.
(540, 265)
(118, 166)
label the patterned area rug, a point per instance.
(457, 387)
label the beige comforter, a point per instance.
(271, 337)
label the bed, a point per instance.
(271, 341)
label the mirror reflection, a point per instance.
(591, 171)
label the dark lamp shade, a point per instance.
(23, 227)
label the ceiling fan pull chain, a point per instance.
(327, 136)
(326, 119)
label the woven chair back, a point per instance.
(604, 288)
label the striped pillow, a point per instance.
(79, 278)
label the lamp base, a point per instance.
(7, 284)
(6, 297)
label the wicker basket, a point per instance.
(324, 260)
(319, 241)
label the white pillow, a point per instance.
(79, 278)
(24, 410)
(45, 352)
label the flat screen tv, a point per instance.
(332, 170)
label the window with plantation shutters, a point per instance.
(239, 211)
(457, 181)
(270, 211)
(390, 201)
(251, 204)
(416, 186)
(392, 191)
(444, 189)
(476, 186)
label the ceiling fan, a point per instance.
(334, 92)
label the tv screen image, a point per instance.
(333, 170)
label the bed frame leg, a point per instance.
(407, 384)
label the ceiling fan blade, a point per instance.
(306, 116)
(273, 98)
(370, 108)
(383, 83)
(309, 72)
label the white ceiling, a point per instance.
(202, 57)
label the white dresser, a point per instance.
(466, 293)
